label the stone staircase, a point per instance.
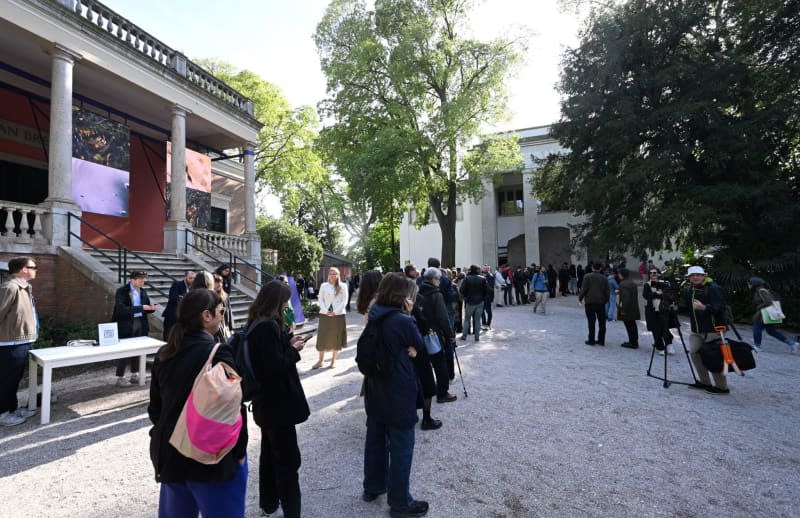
(158, 283)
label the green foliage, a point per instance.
(297, 251)
(680, 121)
(409, 91)
(310, 309)
(286, 160)
(54, 333)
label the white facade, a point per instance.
(486, 235)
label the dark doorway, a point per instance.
(22, 184)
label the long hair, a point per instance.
(189, 319)
(367, 290)
(393, 290)
(203, 280)
(221, 291)
(269, 302)
(338, 288)
(413, 289)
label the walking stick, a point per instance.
(455, 354)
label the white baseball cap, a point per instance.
(696, 269)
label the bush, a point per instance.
(53, 333)
(310, 309)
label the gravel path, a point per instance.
(551, 427)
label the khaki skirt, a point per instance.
(332, 333)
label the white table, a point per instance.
(53, 357)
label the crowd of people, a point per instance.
(420, 313)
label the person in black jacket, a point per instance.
(435, 313)
(391, 403)
(473, 289)
(176, 293)
(280, 403)
(706, 303)
(131, 307)
(187, 486)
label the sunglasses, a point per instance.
(653, 273)
(31, 267)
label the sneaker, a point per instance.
(793, 348)
(10, 419)
(135, 378)
(417, 508)
(756, 348)
(122, 382)
(430, 424)
(447, 398)
(369, 496)
(25, 413)
(670, 349)
(629, 345)
(589, 342)
(661, 352)
(699, 386)
(463, 337)
(717, 390)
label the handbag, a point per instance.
(773, 314)
(210, 421)
(711, 355)
(432, 343)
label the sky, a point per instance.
(274, 39)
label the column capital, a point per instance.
(58, 51)
(180, 111)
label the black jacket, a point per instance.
(281, 400)
(176, 293)
(710, 294)
(473, 289)
(434, 310)
(124, 311)
(172, 380)
(594, 289)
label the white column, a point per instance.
(175, 228)
(59, 183)
(253, 239)
(489, 223)
(532, 253)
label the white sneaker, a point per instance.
(793, 348)
(135, 378)
(10, 419)
(661, 352)
(25, 413)
(670, 349)
(122, 382)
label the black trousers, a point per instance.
(661, 333)
(596, 312)
(12, 365)
(508, 296)
(278, 481)
(487, 312)
(632, 330)
(122, 363)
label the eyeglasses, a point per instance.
(653, 273)
(31, 267)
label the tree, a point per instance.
(286, 160)
(680, 120)
(297, 251)
(410, 91)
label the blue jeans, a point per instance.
(611, 307)
(212, 500)
(772, 330)
(388, 451)
(472, 312)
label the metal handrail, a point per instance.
(122, 253)
(232, 258)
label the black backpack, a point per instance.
(372, 355)
(241, 353)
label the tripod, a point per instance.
(667, 381)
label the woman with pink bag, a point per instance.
(189, 488)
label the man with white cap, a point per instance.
(706, 302)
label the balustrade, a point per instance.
(218, 245)
(21, 223)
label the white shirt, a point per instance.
(328, 298)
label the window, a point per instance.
(218, 220)
(509, 202)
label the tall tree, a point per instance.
(680, 120)
(287, 162)
(409, 91)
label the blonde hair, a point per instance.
(338, 287)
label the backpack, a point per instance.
(373, 357)
(241, 353)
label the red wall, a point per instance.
(143, 229)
